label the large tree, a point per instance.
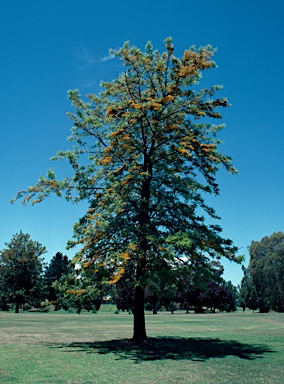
(21, 268)
(266, 267)
(145, 154)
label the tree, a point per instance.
(145, 160)
(191, 293)
(79, 289)
(124, 294)
(21, 269)
(248, 295)
(204, 287)
(159, 291)
(266, 267)
(252, 300)
(218, 297)
(274, 277)
(234, 292)
(161, 288)
(58, 266)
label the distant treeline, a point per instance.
(27, 282)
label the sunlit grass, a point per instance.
(93, 348)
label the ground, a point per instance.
(64, 348)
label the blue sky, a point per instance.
(48, 47)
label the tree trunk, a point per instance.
(198, 309)
(155, 308)
(17, 307)
(139, 334)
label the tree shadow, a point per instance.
(172, 348)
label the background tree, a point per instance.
(189, 295)
(162, 288)
(144, 159)
(234, 291)
(21, 271)
(124, 294)
(58, 266)
(266, 268)
(79, 290)
(248, 296)
(218, 297)
(274, 277)
(5, 304)
(204, 287)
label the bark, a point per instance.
(199, 309)
(155, 309)
(17, 307)
(139, 334)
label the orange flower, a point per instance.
(125, 255)
(102, 264)
(87, 264)
(183, 150)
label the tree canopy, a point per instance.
(145, 154)
(79, 289)
(266, 268)
(58, 266)
(21, 268)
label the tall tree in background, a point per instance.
(79, 289)
(162, 287)
(274, 277)
(266, 267)
(205, 287)
(218, 297)
(248, 295)
(21, 268)
(145, 154)
(58, 266)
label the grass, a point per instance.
(90, 348)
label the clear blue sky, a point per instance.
(48, 47)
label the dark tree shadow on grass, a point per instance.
(172, 348)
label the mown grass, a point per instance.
(94, 348)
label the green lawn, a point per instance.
(93, 348)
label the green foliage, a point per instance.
(218, 297)
(45, 306)
(58, 266)
(162, 287)
(124, 294)
(145, 154)
(233, 290)
(78, 290)
(248, 295)
(267, 271)
(205, 289)
(21, 269)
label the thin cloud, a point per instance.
(90, 84)
(108, 57)
(90, 59)
(85, 56)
